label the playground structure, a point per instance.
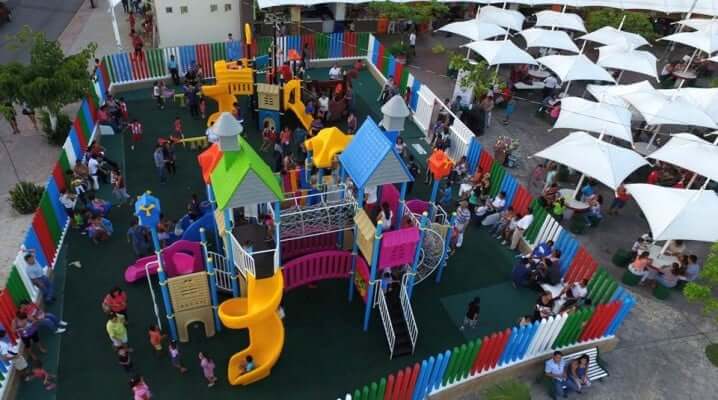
(231, 81)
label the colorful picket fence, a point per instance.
(151, 64)
(610, 302)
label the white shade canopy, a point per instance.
(705, 99)
(607, 163)
(690, 152)
(658, 109)
(713, 59)
(474, 29)
(609, 35)
(501, 52)
(611, 94)
(511, 19)
(578, 113)
(622, 58)
(560, 40)
(704, 40)
(678, 214)
(555, 19)
(575, 68)
(698, 23)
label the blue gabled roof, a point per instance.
(370, 159)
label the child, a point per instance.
(285, 139)
(269, 224)
(119, 190)
(157, 94)
(123, 358)
(446, 197)
(136, 130)
(175, 357)
(510, 107)
(203, 107)
(207, 365)
(248, 365)
(40, 373)
(472, 314)
(249, 247)
(177, 134)
(267, 141)
(123, 109)
(156, 337)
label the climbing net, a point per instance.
(432, 248)
(318, 214)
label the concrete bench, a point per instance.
(595, 371)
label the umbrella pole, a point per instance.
(653, 137)
(578, 187)
(665, 247)
(568, 86)
(620, 75)
(693, 178)
(620, 26)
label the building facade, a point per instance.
(184, 22)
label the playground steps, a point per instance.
(401, 331)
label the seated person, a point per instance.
(520, 274)
(574, 294)
(492, 206)
(642, 244)
(594, 211)
(555, 256)
(553, 273)
(666, 276)
(543, 249)
(503, 222)
(640, 265)
(692, 270)
(551, 193)
(98, 206)
(247, 365)
(675, 248)
(508, 230)
(544, 306)
(99, 229)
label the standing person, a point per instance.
(551, 176)
(412, 43)
(37, 276)
(137, 44)
(414, 170)
(555, 368)
(30, 113)
(487, 105)
(536, 182)
(193, 101)
(178, 133)
(174, 70)
(203, 107)
(207, 365)
(117, 330)
(176, 357)
(463, 217)
(549, 86)
(620, 200)
(68, 201)
(116, 302)
(156, 338)
(170, 159)
(471, 319)
(139, 238)
(352, 123)
(126, 6)
(160, 163)
(157, 94)
(140, 390)
(124, 359)
(93, 167)
(285, 140)
(119, 189)
(11, 116)
(510, 108)
(136, 131)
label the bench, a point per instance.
(595, 371)
(535, 85)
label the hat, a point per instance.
(646, 237)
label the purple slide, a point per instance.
(180, 258)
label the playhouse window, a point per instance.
(213, 8)
(184, 9)
(168, 10)
(227, 7)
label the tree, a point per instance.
(636, 22)
(416, 12)
(477, 75)
(51, 80)
(703, 290)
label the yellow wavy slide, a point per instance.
(293, 102)
(257, 313)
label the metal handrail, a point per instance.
(224, 276)
(408, 312)
(386, 321)
(152, 291)
(242, 259)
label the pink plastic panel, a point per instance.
(398, 247)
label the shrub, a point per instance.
(59, 134)
(636, 22)
(25, 197)
(438, 49)
(510, 389)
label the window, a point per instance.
(227, 7)
(184, 9)
(213, 8)
(168, 10)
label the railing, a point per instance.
(408, 312)
(222, 271)
(386, 320)
(242, 259)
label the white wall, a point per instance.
(199, 24)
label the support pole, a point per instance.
(402, 203)
(213, 204)
(432, 199)
(340, 180)
(447, 245)
(163, 285)
(372, 275)
(212, 280)
(578, 187)
(423, 225)
(277, 237)
(228, 226)
(355, 247)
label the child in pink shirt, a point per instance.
(207, 365)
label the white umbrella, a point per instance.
(624, 59)
(665, 6)
(474, 29)
(500, 52)
(578, 113)
(690, 152)
(678, 214)
(713, 59)
(607, 163)
(609, 35)
(704, 40)
(575, 68)
(511, 19)
(705, 99)
(555, 19)
(612, 94)
(698, 23)
(560, 40)
(658, 109)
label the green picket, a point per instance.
(458, 356)
(217, 52)
(533, 230)
(362, 43)
(462, 361)
(404, 78)
(357, 394)
(373, 391)
(610, 289)
(321, 45)
(601, 290)
(16, 287)
(452, 365)
(563, 334)
(497, 175)
(158, 63)
(382, 388)
(49, 213)
(108, 63)
(385, 69)
(594, 280)
(470, 358)
(64, 162)
(365, 393)
(263, 44)
(582, 319)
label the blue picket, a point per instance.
(568, 246)
(509, 185)
(188, 57)
(391, 67)
(32, 242)
(533, 328)
(415, 86)
(508, 349)
(375, 54)
(443, 363)
(473, 155)
(88, 116)
(628, 302)
(54, 192)
(421, 380)
(233, 49)
(75, 140)
(121, 64)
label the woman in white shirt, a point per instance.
(323, 106)
(385, 216)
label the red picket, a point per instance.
(409, 393)
(380, 58)
(7, 313)
(44, 236)
(398, 70)
(204, 58)
(499, 348)
(602, 317)
(488, 343)
(405, 385)
(398, 384)
(81, 134)
(139, 66)
(485, 161)
(309, 39)
(578, 262)
(93, 108)
(59, 176)
(389, 387)
(591, 322)
(350, 44)
(522, 200)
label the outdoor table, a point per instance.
(575, 205)
(538, 74)
(683, 76)
(644, 149)
(660, 260)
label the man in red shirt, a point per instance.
(286, 72)
(137, 43)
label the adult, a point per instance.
(492, 205)
(37, 315)
(550, 83)
(574, 294)
(620, 200)
(159, 160)
(115, 302)
(693, 269)
(667, 276)
(506, 216)
(37, 276)
(639, 266)
(542, 250)
(555, 368)
(520, 272)
(174, 70)
(553, 273)
(521, 226)
(11, 116)
(544, 306)
(140, 390)
(27, 330)
(335, 72)
(675, 248)
(412, 43)
(11, 355)
(463, 217)
(471, 319)
(551, 193)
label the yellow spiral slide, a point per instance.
(257, 313)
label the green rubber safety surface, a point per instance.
(326, 352)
